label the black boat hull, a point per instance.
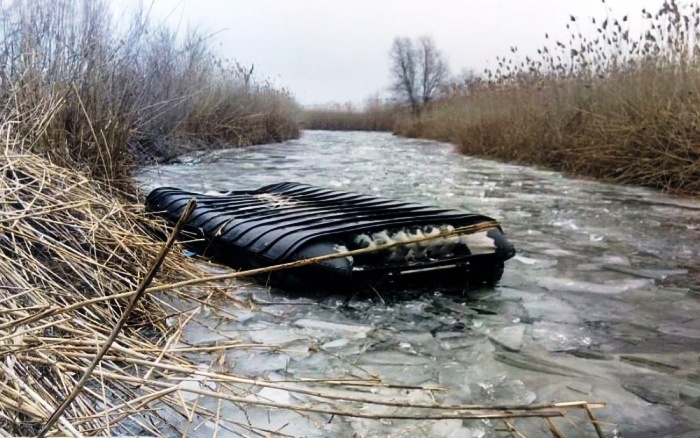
(289, 221)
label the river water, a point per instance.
(602, 302)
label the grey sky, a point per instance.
(337, 51)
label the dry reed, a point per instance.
(125, 91)
(376, 115)
(611, 105)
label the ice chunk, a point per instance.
(535, 263)
(653, 389)
(351, 330)
(454, 341)
(275, 395)
(510, 338)
(200, 334)
(611, 287)
(552, 308)
(216, 193)
(612, 260)
(393, 358)
(556, 252)
(381, 238)
(338, 344)
(275, 336)
(560, 337)
(654, 274)
(524, 260)
(252, 364)
(501, 389)
(537, 363)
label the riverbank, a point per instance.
(637, 128)
(614, 105)
(102, 97)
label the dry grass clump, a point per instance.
(70, 255)
(126, 90)
(614, 106)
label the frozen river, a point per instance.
(602, 302)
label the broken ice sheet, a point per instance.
(274, 336)
(325, 328)
(608, 287)
(274, 395)
(503, 389)
(254, 363)
(534, 263)
(457, 340)
(560, 337)
(654, 274)
(202, 335)
(510, 338)
(394, 366)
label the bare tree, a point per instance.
(403, 72)
(418, 70)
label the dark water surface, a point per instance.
(602, 302)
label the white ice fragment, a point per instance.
(274, 336)
(510, 338)
(335, 345)
(596, 237)
(612, 287)
(188, 387)
(259, 362)
(354, 331)
(560, 337)
(419, 248)
(525, 260)
(275, 395)
(556, 252)
(569, 224)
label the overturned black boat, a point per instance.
(291, 221)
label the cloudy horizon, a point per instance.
(337, 52)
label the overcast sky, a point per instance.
(337, 51)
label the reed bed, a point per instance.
(605, 102)
(126, 90)
(376, 115)
(337, 120)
